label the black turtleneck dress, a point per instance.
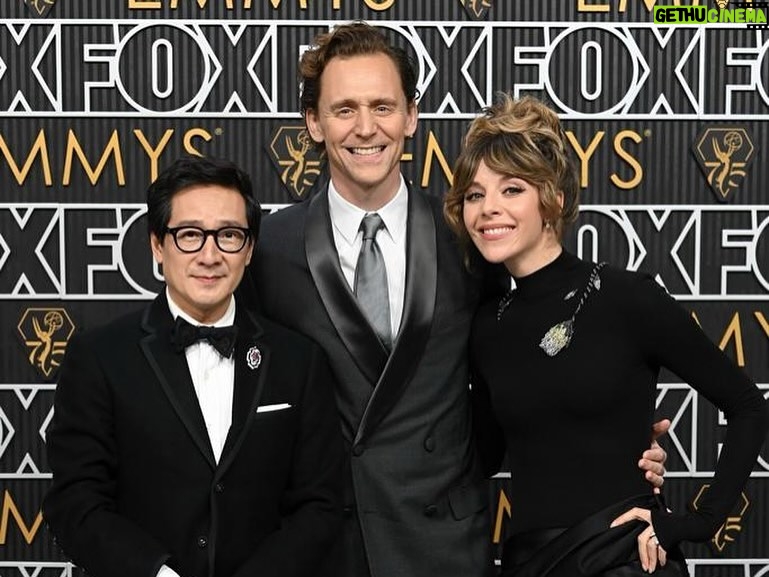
(575, 424)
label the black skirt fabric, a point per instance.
(589, 549)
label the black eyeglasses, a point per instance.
(192, 238)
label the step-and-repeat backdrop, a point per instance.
(669, 124)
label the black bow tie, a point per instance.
(185, 334)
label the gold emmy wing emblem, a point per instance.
(477, 9)
(727, 533)
(39, 7)
(46, 332)
(296, 159)
(724, 155)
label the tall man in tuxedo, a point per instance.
(194, 438)
(415, 496)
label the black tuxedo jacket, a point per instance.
(415, 501)
(135, 482)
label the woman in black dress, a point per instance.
(567, 363)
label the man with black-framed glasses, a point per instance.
(229, 239)
(195, 438)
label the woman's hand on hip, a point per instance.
(649, 549)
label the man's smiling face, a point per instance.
(363, 118)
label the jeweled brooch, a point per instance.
(559, 336)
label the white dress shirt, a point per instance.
(346, 219)
(213, 377)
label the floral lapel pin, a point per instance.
(253, 358)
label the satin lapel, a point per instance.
(252, 361)
(350, 323)
(418, 308)
(173, 373)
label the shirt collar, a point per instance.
(226, 320)
(346, 217)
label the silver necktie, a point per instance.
(371, 280)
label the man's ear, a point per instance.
(312, 123)
(157, 248)
(411, 121)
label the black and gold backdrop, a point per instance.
(668, 124)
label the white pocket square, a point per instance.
(268, 408)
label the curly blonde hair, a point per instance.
(519, 138)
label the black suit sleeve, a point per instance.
(311, 505)
(487, 433)
(80, 507)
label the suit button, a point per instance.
(219, 488)
(429, 444)
(347, 511)
(202, 542)
(430, 511)
(357, 450)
